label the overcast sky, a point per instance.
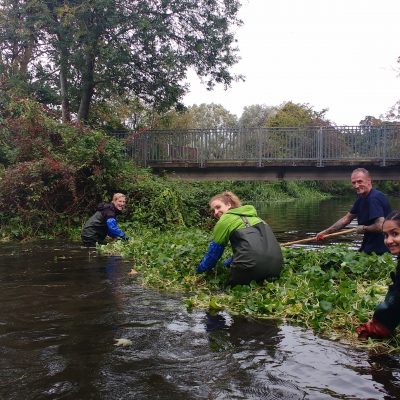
(336, 54)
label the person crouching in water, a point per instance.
(103, 222)
(256, 252)
(387, 314)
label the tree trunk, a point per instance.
(66, 115)
(87, 87)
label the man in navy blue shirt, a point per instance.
(371, 207)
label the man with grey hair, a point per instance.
(371, 207)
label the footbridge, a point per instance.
(289, 153)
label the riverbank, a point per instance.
(329, 290)
(152, 202)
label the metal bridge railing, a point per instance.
(260, 146)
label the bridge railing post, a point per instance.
(260, 146)
(384, 146)
(145, 137)
(320, 147)
(203, 148)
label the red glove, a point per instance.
(373, 329)
(320, 236)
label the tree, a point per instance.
(369, 120)
(256, 116)
(91, 50)
(393, 114)
(20, 34)
(292, 114)
(210, 116)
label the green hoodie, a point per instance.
(231, 221)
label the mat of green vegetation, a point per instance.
(330, 290)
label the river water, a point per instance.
(63, 307)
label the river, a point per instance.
(63, 307)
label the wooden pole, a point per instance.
(311, 239)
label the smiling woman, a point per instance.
(103, 222)
(256, 252)
(387, 314)
(391, 232)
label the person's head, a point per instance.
(361, 181)
(222, 202)
(391, 231)
(119, 201)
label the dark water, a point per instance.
(62, 308)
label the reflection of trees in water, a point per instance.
(303, 216)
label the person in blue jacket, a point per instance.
(370, 208)
(103, 222)
(256, 252)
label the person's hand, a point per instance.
(321, 236)
(360, 229)
(373, 329)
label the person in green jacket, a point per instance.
(256, 252)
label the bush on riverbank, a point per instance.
(329, 290)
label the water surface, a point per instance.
(62, 307)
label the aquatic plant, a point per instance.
(329, 290)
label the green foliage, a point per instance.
(54, 170)
(256, 116)
(292, 114)
(197, 117)
(330, 290)
(310, 190)
(72, 54)
(388, 187)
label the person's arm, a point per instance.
(339, 224)
(375, 227)
(113, 229)
(211, 258)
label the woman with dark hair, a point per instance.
(387, 314)
(256, 252)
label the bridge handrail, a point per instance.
(316, 145)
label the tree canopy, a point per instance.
(256, 115)
(71, 54)
(198, 116)
(292, 114)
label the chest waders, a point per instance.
(95, 230)
(256, 254)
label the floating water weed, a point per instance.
(330, 290)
